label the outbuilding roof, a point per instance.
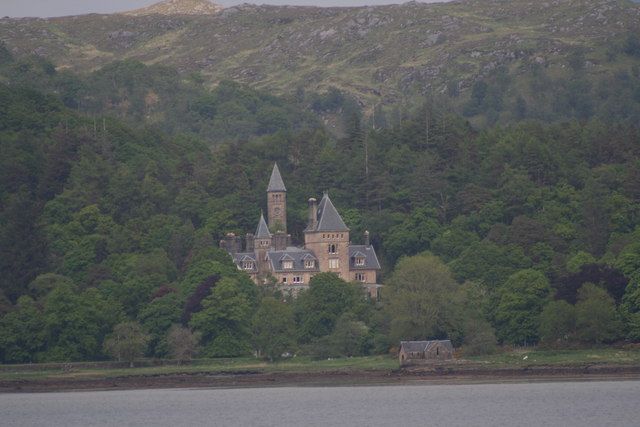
(423, 346)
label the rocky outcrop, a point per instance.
(179, 7)
(380, 53)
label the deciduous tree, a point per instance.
(597, 320)
(127, 342)
(520, 301)
(273, 328)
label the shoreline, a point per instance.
(432, 375)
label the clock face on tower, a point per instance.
(276, 211)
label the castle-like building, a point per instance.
(327, 247)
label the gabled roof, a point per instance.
(239, 258)
(276, 183)
(413, 346)
(328, 217)
(445, 343)
(296, 254)
(362, 251)
(420, 346)
(262, 232)
(286, 257)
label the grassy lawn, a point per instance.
(515, 358)
(536, 357)
(213, 366)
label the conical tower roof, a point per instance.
(262, 232)
(276, 183)
(328, 217)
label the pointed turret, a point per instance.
(328, 217)
(262, 232)
(277, 202)
(327, 236)
(276, 184)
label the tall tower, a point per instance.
(328, 237)
(277, 202)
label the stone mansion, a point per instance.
(327, 248)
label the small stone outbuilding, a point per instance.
(417, 352)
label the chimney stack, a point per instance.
(313, 214)
(280, 241)
(233, 243)
(250, 242)
(366, 238)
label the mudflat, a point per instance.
(461, 374)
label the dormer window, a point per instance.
(359, 262)
(287, 265)
(247, 265)
(309, 263)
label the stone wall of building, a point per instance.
(321, 242)
(277, 211)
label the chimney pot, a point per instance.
(313, 214)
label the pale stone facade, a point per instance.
(327, 247)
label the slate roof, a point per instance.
(420, 346)
(262, 232)
(444, 343)
(276, 183)
(328, 217)
(413, 346)
(369, 254)
(238, 258)
(294, 254)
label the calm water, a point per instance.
(557, 404)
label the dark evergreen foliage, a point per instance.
(108, 215)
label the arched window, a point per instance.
(333, 249)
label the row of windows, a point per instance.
(288, 265)
(295, 279)
(334, 263)
(308, 263)
(276, 197)
(333, 236)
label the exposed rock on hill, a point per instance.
(178, 7)
(378, 54)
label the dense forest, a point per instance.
(115, 187)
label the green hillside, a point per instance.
(118, 178)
